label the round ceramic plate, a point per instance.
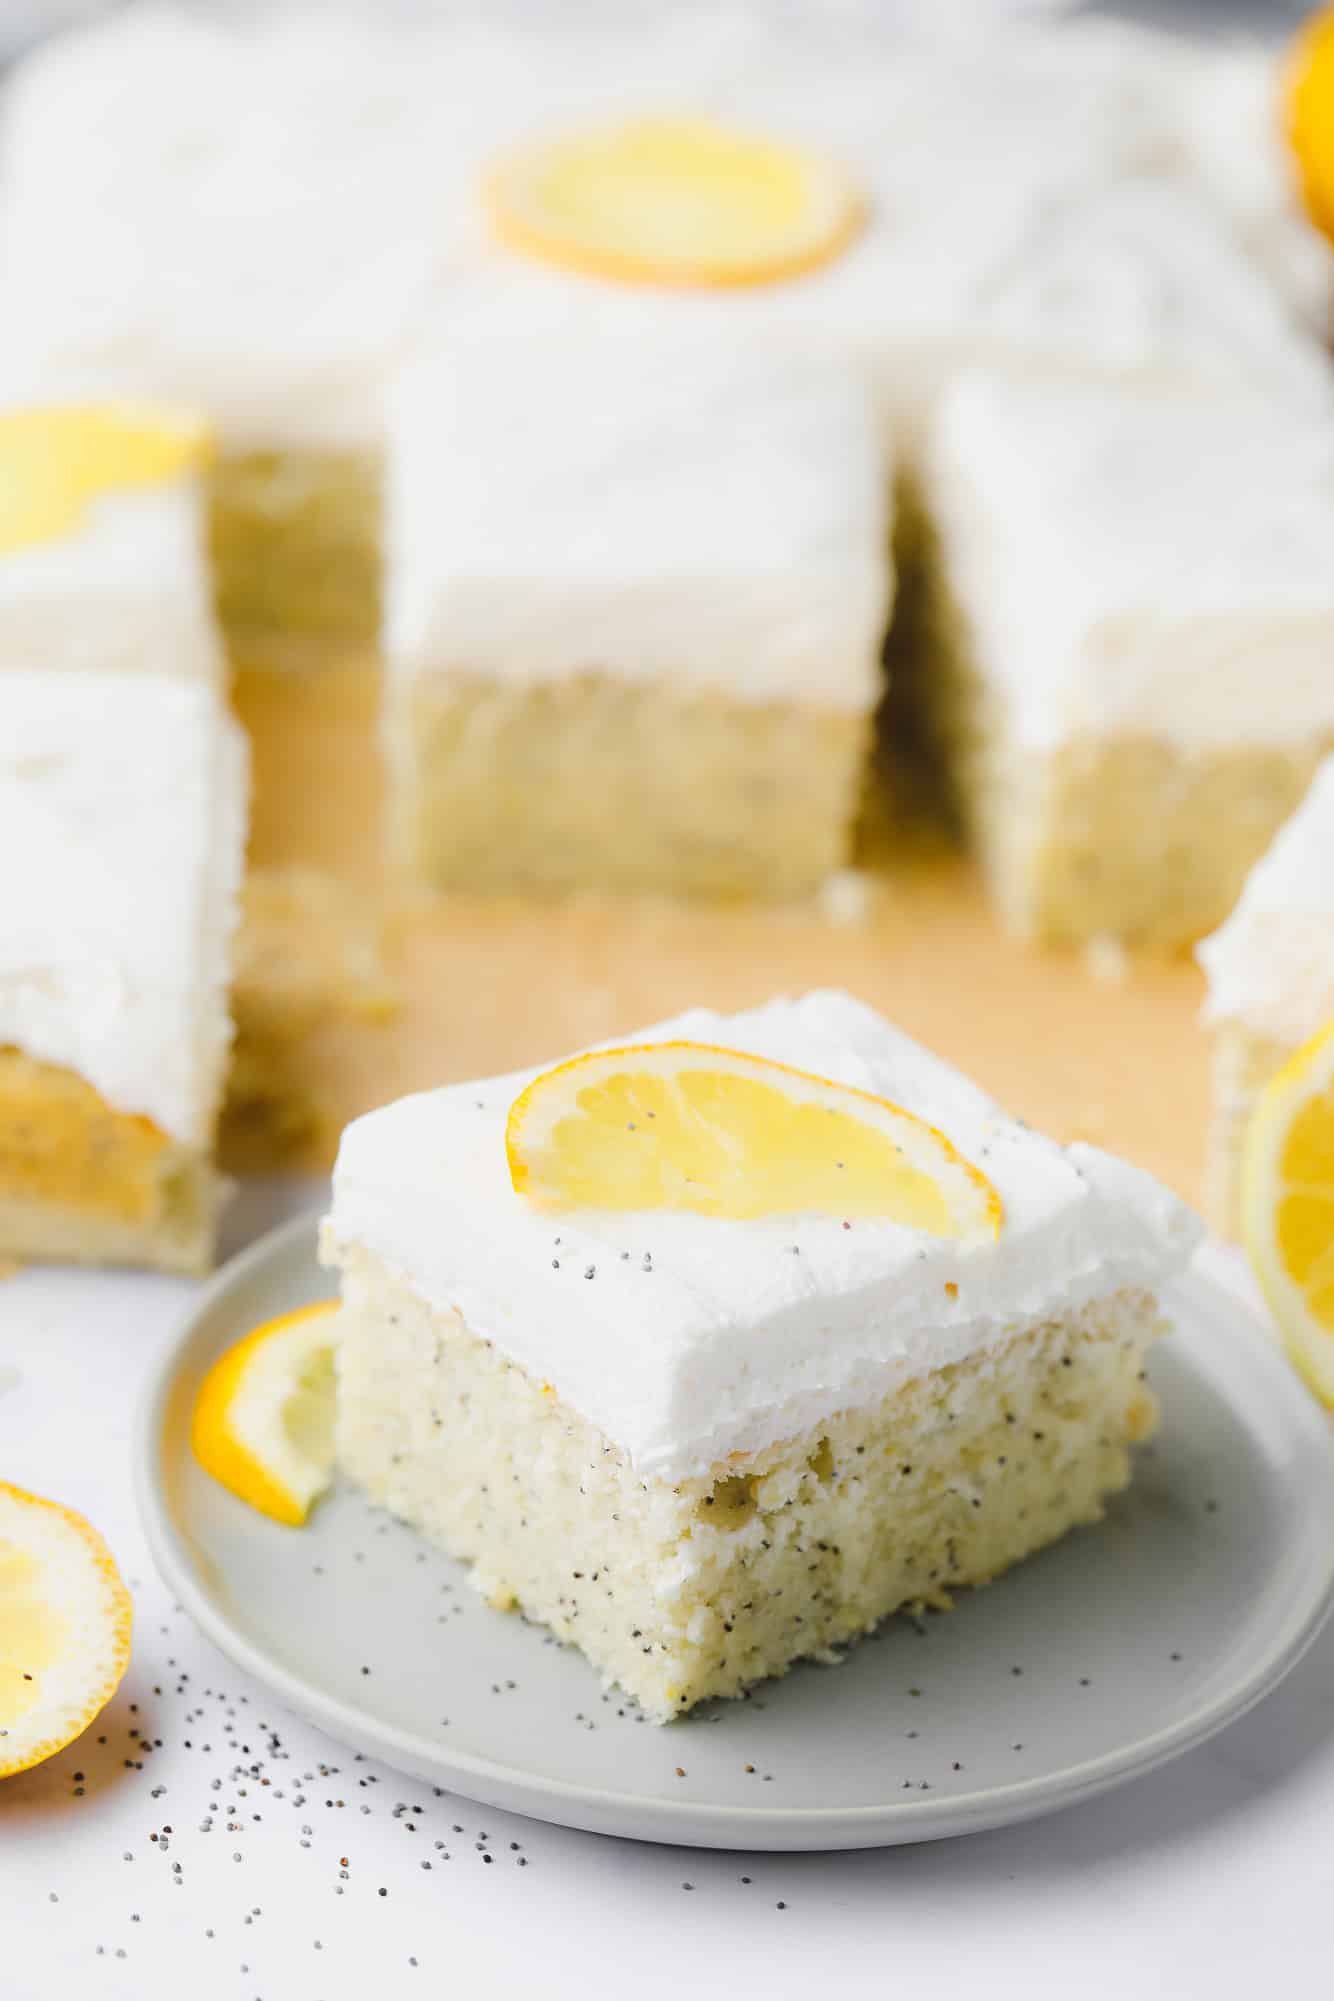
(1122, 1646)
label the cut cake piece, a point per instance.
(704, 1449)
(637, 595)
(1131, 622)
(1271, 982)
(122, 809)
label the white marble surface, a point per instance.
(1210, 1877)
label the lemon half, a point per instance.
(1309, 116)
(684, 1125)
(263, 1420)
(55, 462)
(1288, 1206)
(674, 202)
(65, 1621)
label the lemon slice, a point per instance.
(54, 462)
(263, 1420)
(65, 1620)
(682, 1125)
(674, 202)
(1310, 116)
(1287, 1194)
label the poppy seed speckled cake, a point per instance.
(711, 1351)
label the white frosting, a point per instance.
(1271, 965)
(697, 510)
(1143, 278)
(125, 589)
(268, 218)
(1136, 559)
(744, 1333)
(1039, 243)
(122, 820)
(251, 216)
(1233, 139)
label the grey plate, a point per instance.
(1121, 1647)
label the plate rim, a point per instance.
(703, 1824)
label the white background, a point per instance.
(1213, 1877)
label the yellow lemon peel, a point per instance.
(674, 202)
(263, 1419)
(1288, 1206)
(54, 462)
(684, 1125)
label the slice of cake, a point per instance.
(1132, 623)
(103, 562)
(1271, 980)
(122, 814)
(637, 595)
(712, 1351)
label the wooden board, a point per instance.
(486, 985)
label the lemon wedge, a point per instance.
(54, 462)
(674, 202)
(1310, 116)
(65, 1619)
(1287, 1196)
(682, 1125)
(263, 1421)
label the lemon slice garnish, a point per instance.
(674, 202)
(263, 1420)
(65, 1619)
(54, 462)
(1288, 1206)
(1309, 112)
(682, 1125)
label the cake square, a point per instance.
(702, 1448)
(637, 593)
(1132, 618)
(124, 796)
(103, 563)
(1270, 972)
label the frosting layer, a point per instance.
(1271, 966)
(687, 1339)
(266, 218)
(123, 815)
(1137, 559)
(700, 511)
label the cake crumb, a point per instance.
(1107, 959)
(845, 898)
